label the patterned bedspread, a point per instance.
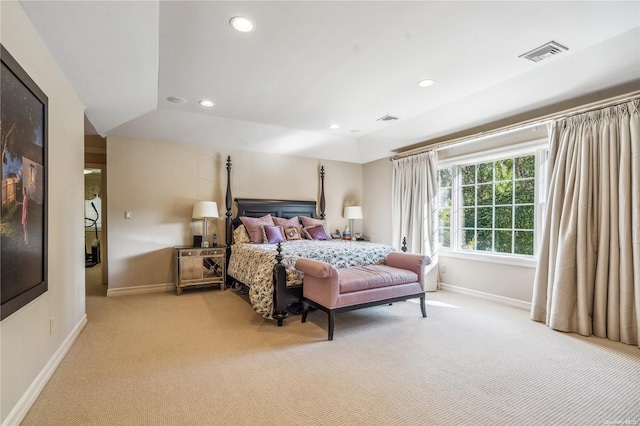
(252, 264)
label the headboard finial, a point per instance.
(322, 202)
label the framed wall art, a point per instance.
(23, 221)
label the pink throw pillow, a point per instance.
(288, 223)
(254, 227)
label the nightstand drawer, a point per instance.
(191, 268)
(208, 251)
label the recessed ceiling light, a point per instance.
(425, 83)
(334, 126)
(241, 24)
(177, 100)
(206, 103)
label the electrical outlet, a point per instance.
(443, 269)
(51, 325)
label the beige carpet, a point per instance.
(205, 358)
(93, 281)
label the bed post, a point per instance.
(280, 293)
(228, 229)
(322, 202)
(280, 288)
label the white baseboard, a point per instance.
(151, 288)
(514, 303)
(21, 409)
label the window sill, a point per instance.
(527, 262)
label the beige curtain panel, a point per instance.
(588, 275)
(414, 196)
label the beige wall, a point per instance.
(158, 181)
(377, 202)
(29, 350)
(510, 281)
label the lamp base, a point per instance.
(205, 240)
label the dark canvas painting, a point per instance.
(23, 131)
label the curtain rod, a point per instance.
(522, 124)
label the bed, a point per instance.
(266, 271)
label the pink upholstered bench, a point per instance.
(340, 290)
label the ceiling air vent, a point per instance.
(545, 51)
(387, 118)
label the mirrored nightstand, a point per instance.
(196, 266)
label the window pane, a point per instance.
(524, 242)
(445, 237)
(524, 217)
(468, 174)
(444, 177)
(469, 217)
(504, 218)
(445, 217)
(469, 195)
(485, 194)
(485, 217)
(485, 240)
(445, 197)
(485, 172)
(503, 241)
(444, 208)
(504, 169)
(525, 191)
(525, 167)
(468, 239)
(504, 192)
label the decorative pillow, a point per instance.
(316, 233)
(240, 235)
(308, 222)
(292, 233)
(273, 234)
(254, 227)
(286, 223)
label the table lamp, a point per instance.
(205, 210)
(351, 213)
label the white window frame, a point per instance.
(538, 147)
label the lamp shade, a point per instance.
(352, 212)
(205, 209)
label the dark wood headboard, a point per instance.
(258, 207)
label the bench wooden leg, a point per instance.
(332, 320)
(423, 307)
